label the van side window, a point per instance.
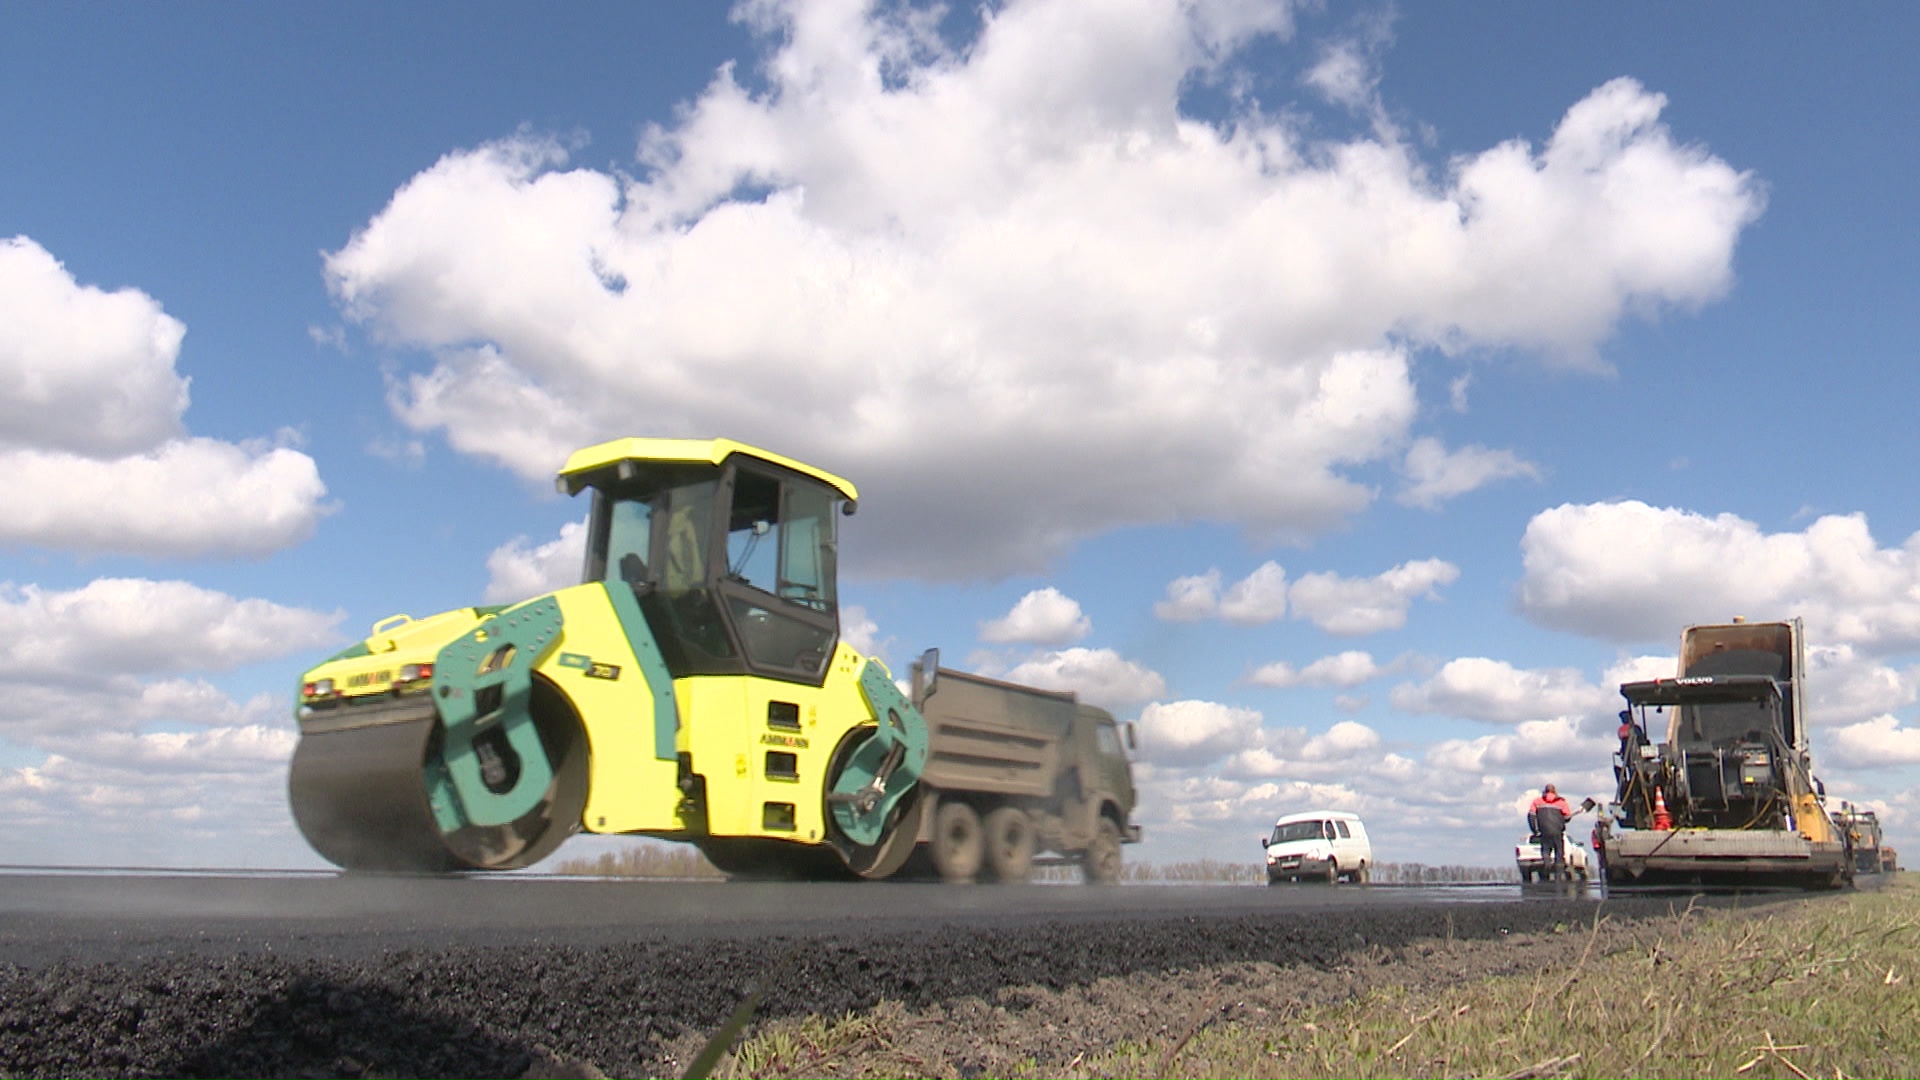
(1326, 830)
(1342, 826)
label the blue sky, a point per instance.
(1352, 396)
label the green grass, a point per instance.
(1829, 987)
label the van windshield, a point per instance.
(1296, 830)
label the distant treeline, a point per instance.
(685, 861)
(647, 861)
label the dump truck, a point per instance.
(695, 686)
(1017, 775)
(1729, 798)
(1861, 827)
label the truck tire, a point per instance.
(1010, 844)
(1100, 863)
(958, 843)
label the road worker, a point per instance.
(1548, 816)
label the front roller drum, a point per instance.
(359, 790)
(359, 798)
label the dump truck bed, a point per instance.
(990, 736)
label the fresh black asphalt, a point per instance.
(215, 975)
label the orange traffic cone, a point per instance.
(1661, 819)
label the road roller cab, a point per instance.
(692, 687)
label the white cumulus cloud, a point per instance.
(1346, 670)
(117, 626)
(1260, 597)
(1351, 606)
(189, 497)
(1494, 691)
(1099, 676)
(1534, 747)
(1843, 686)
(83, 370)
(1344, 751)
(91, 440)
(1190, 599)
(1042, 617)
(1626, 571)
(1880, 743)
(519, 570)
(926, 254)
(1435, 474)
(1336, 604)
(1195, 732)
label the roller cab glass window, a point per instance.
(733, 565)
(778, 587)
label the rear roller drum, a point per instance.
(901, 832)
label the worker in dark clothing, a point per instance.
(1548, 815)
(1630, 738)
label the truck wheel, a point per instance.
(1010, 844)
(1100, 863)
(957, 842)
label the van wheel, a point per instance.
(957, 842)
(1010, 844)
(1333, 872)
(1362, 875)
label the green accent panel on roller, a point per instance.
(653, 667)
(459, 687)
(441, 798)
(902, 726)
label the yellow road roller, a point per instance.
(693, 687)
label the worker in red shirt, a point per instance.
(1548, 815)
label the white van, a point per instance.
(1319, 845)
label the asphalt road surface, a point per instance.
(332, 975)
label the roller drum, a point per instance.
(358, 794)
(359, 788)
